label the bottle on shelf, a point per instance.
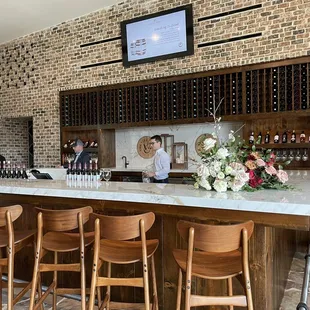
(92, 144)
(86, 144)
(276, 138)
(284, 137)
(67, 144)
(267, 137)
(302, 137)
(259, 138)
(251, 138)
(293, 137)
(95, 144)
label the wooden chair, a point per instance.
(222, 254)
(58, 239)
(11, 242)
(115, 248)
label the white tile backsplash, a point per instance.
(127, 139)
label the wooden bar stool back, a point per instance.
(58, 223)
(222, 253)
(11, 242)
(112, 246)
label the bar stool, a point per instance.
(12, 241)
(222, 254)
(58, 239)
(115, 248)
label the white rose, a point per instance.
(220, 185)
(202, 170)
(228, 170)
(222, 153)
(217, 166)
(205, 184)
(213, 172)
(237, 185)
(196, 185)
(221, 175)
(208, 144)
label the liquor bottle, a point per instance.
(251, 138)
(293, 137)
(267, 137)
(78, 171)
(73, 171)
(67, 144)
(69, 172)
(276, 138)
(259, 138)
(284, 137)
(92, 144)
(19, 173)
(89, 171)
(95, 143)
(14, 174)
(1, 171)
(4, 170)
(302, 137)
(8, 170)
(86, 144)
(24, 174)
(84, 171)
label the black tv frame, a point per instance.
(189, 36)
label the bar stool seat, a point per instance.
(66, 242)
(21, 238)
(209, 266)
(125, 252)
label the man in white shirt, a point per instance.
(161, 161)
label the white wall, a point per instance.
(127, 139)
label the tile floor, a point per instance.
(289, 302)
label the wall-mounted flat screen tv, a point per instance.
(162, 35)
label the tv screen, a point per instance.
(162, 35)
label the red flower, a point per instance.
(272, 159)
(254, 180)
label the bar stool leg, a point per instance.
(179, 292)
(55, 281)
(230, 290)
(109, 287)
(155, 296)
(1, 287)
(10, 277)
(39, 278)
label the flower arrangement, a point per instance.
(234, 165)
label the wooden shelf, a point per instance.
(284, 146)
(87, 149)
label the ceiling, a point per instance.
(21, 17)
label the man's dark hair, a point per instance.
(157, 138)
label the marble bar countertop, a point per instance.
(293, 202)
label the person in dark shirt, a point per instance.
(81, 156)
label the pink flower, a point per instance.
(271, 170)
(260, 163)
(282, 176)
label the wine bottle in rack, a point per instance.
(276, 138)
(95, 143)
(293, 137)
(302, 137)
(259, 138)
(86, 144)
(251, 138)
(267, 137)
(284, 137)
(92, 144)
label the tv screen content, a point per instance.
(158, 36)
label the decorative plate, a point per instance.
(199, 142)
(144, 148)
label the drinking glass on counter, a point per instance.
(106, 174)
(145, 177)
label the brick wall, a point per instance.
(34, 68)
